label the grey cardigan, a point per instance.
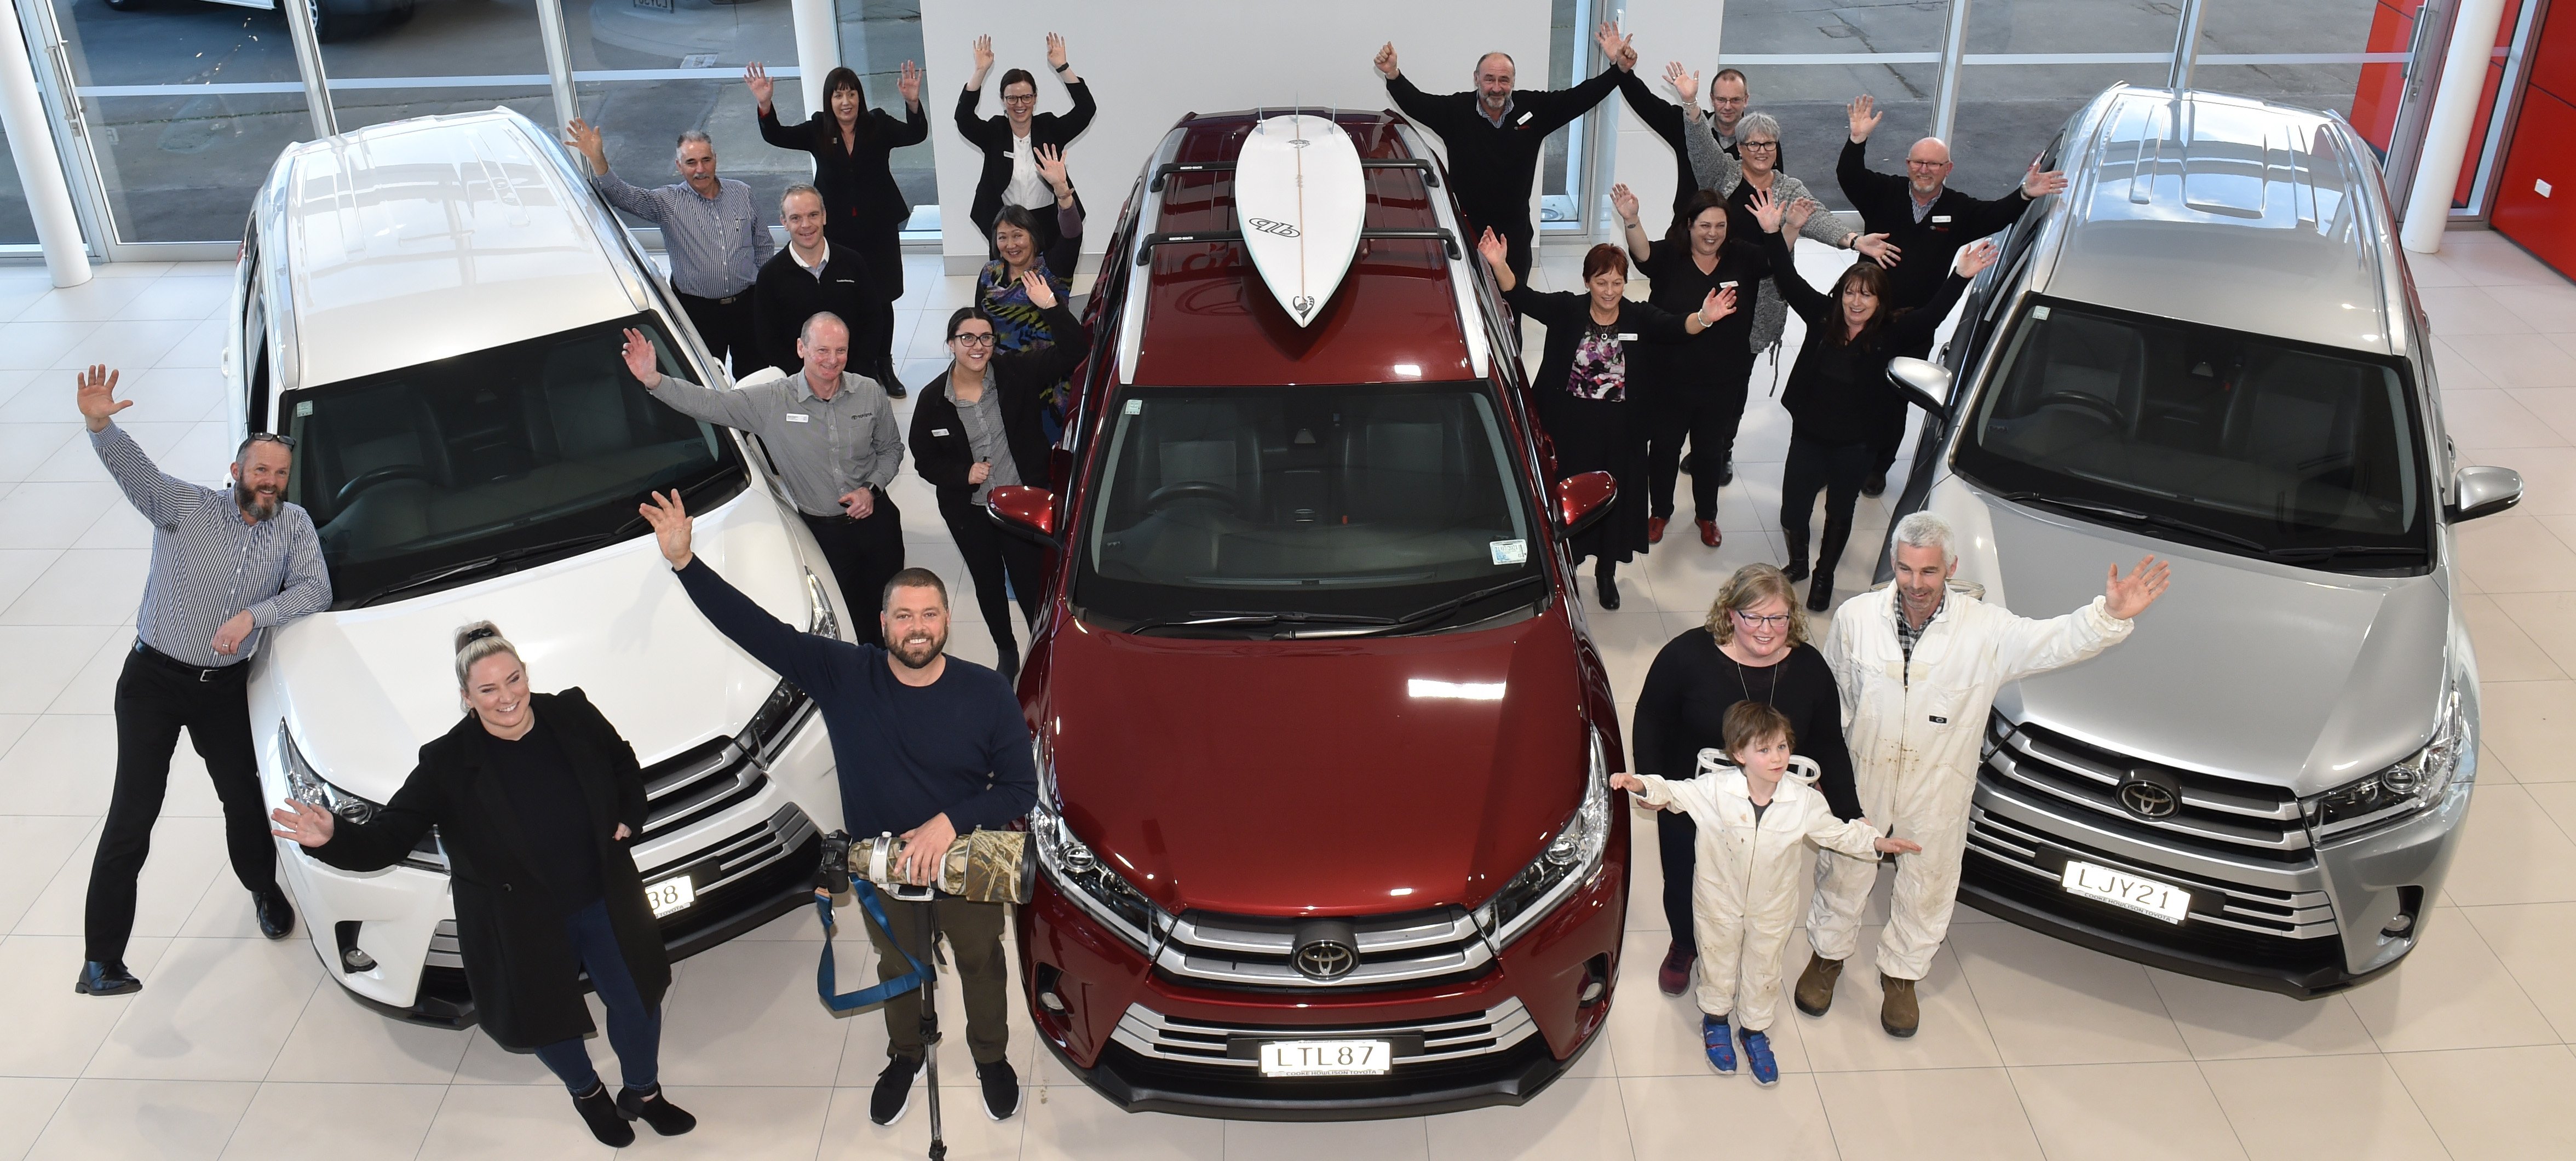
(1716, 170)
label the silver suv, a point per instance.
(2209, 348)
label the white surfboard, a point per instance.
(1301, 200)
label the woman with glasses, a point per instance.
(1695, 390)
(1753, 648)
(853, 147)
(1012, 174)
(977, 427)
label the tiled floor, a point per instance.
(240, 1048)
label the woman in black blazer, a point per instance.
(536, 798)
(977, 427)
(1010, 141)
(851, 144)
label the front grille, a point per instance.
(1416, 1042)
(2038, 858)
(1405, 950)
(2222, 817)
(701, 781)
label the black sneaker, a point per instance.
(106, 979)
(894, 1090)
(276, 915)
(599, 1111)
(1001, 1089)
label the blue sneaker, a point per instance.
(1757, 1050)
(1720, 1041)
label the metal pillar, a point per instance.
(31, 143)
(308, 60)
(550, 30)
(2186, 46)
(818, 47)
(1954, 49)
(2453, 122)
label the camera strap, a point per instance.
(824, 974)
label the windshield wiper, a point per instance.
(486, 563)
(1244, 619)
(2326, 553)
(2127, 516)
(1433, 613)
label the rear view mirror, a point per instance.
(1028, 513)
(1584, 498)
(2484, 492)
(1924, 384)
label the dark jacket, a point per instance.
(518, 959)
(1665, 119)
(1839, 394)
(786, 295)
(1886, 206)
(993, 136)
(1682, 710)
(1492, 169)
(1566, 314)
(859, 194)
(941, 452)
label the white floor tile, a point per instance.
(26, 1104)
(1966, 1113)
(2165, 1111)
(2494, 1104)
(173, 1119)
(334, 1122)
(209, 1011)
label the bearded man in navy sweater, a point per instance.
(928, 747)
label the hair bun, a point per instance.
(475, 632)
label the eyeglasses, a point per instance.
(1758, 145)
(984, 339)
(1021, 99)
(284, 441)
(1773, 621)
(1911, 163)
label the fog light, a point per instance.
(2398, 927)
(1596, 981)
(1053, 1002)
(357, 961)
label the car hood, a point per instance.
(362, 689)
(2282, 675)
(1318, 777)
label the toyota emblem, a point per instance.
(1326, 950)
(2151, 794)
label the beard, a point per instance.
(916, 650)
(257, 504)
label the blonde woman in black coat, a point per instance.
(536, 798)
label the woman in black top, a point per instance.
(1754, 648)
(1582, 387)
(978, 427)
(852, 144)
(1010, 142)
(1695, 390)
(1838, 396)
(536, 799)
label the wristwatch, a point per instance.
(1064, 66)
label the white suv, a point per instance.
(431, 309)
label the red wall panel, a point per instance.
(2543, 150)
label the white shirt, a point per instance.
(1028, 188)
(815, 267)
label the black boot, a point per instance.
(1875, 485)
(653, 1108)
(1797, 567)
(1820, 596)
(1608, 583)
(1727, 475)
(1007, 660)
(599, 1111)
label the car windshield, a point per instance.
(1358, 509)
(453, 470)
(2214, 437)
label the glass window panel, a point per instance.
(1769, 27)
(877, 36)
(2009, 113)
(1810, 103)
(2233, 28)
(17, 227)
(2078, 26)
(435, 59)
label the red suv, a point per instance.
(1323, 747)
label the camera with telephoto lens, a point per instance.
(983, 866)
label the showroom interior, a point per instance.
(144, 135)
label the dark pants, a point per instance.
(974, 933)
(1704, 405)
(991, 556)
(155, 698)
(634, 1030)
(725, 325)
(1516, 243)
(1675, 839)
(1835, 469)
(864, 555)
(1892, 431)
(872, 339)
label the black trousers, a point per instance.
(1835, 469)
(1675, 842)
(993, 555)
(872, 339)
(1891, 432)
(155, 698)
(725, 324)
(1703, 404)
(864, 555)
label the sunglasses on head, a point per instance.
(284, 441)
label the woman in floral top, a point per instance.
(1582, 388)
(1018, 323)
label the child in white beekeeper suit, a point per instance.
(1755, 820)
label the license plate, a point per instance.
(1326, 1058)
(670, 895)
(2145, 896)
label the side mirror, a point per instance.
(1028, 513)
(1924, 384)
(1584, 498)
(2484, 492)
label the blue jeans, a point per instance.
(633, 1030)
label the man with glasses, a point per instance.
(1009, 142)
(1928, 222)
(228, 566)
(833, 437)
(808, 278)
(1729, 95)
(711, 229)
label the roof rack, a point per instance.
(1430, 176)
(1442, 235)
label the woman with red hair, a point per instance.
(1582, 387)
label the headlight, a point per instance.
(1566, 863)
(2418, 782)
(774, 723)
(309, 787)
(1093, 886)
(819, 618)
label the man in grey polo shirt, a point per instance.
(228, 567)
(711, 229)
(834, 439)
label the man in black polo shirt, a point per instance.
(1927, 222)
(808, 278)
(1493, 134)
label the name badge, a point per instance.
(1627, 338)
(1523, 119)
(799, 417)
(1938, 720)
(1729, 284)
(938, 431)
(1940, 219)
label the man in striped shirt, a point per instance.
(228, 567)
(710, 228)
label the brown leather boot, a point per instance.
(1897, 1011)
(1816, 985)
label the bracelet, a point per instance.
(1064, 66)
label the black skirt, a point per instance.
(1599, 435)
